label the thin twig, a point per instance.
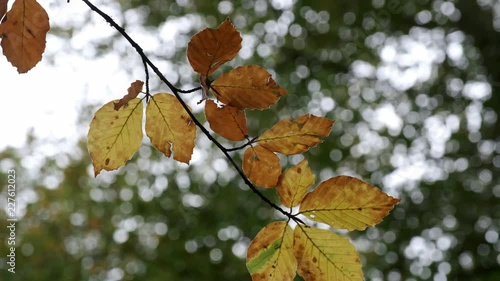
(176, 92)
(189, 91)
(249, 142)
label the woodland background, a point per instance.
(412, 86)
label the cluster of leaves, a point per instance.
(277, 252)
(23, 31)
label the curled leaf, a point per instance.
(226, 121)
(114, 136)
(134, 90)
(23, 34)
(261, 166)
(249, 87)
(296, 136)
(210, 48)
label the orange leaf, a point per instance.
(226, 121)
(270, 255)
(134, 89)
(296, 136)
(293, 184)
(23, 34)
(211, 48)
(247, 87)
(347, 202)
(261, 166)
(168, 124)
(114, 136)
(325, 256)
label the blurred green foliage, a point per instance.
(412, 86)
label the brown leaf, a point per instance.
(3, 7)
(23, 34)
(261, 166)
(249, 87)
(211, 48)
(296, 136)
(134, 89)
(227, 121)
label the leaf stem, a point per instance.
(177, 92)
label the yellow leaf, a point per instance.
(23, 34)
(261, 166)
(249, 87)
(226, 121)
(114, 136)
(293, 184)
(270, 255)
(168, 124)
(347, 202)
(296, 136)
(325, 256)
(210, 48)
(134, 89)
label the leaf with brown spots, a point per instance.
(23, 34)
(134, 90)
(114, 136)
(325, 256)
(296, 136)
(270, 255)
(210, 48)
(226, 121)
(249, 87)
(348, 203)
(261, 166)
(170, 128)
(293, 184)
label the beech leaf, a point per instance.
(261, 166)
(169, 127)
(325, 256)
(210, 48)
(348, 203)
(134, 90)
(114, 136)
(296, 136)
(270, 255)
(294, 183)
(23, 34)
(249, 87)
(227, 121)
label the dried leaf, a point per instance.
(347, 202)
(227, 121)
(294, 183)
(270, 255)
(134, 90)
(296, 136)
(325, 256)
(114, 136)
(211, 48)
(261, 166)
(168, 124)
(23, 34)
(249, 87)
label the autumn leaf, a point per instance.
(324, 255)
(227, 121)
(168, 124)
(293, 184)
(261, 166)
(296, 136)
(134, 90)
(211, 48)
(114, 136)
(249, 87)
(23, 34)
(3, 7)
(348, 203)
(270, 255)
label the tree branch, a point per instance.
(177, 92)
